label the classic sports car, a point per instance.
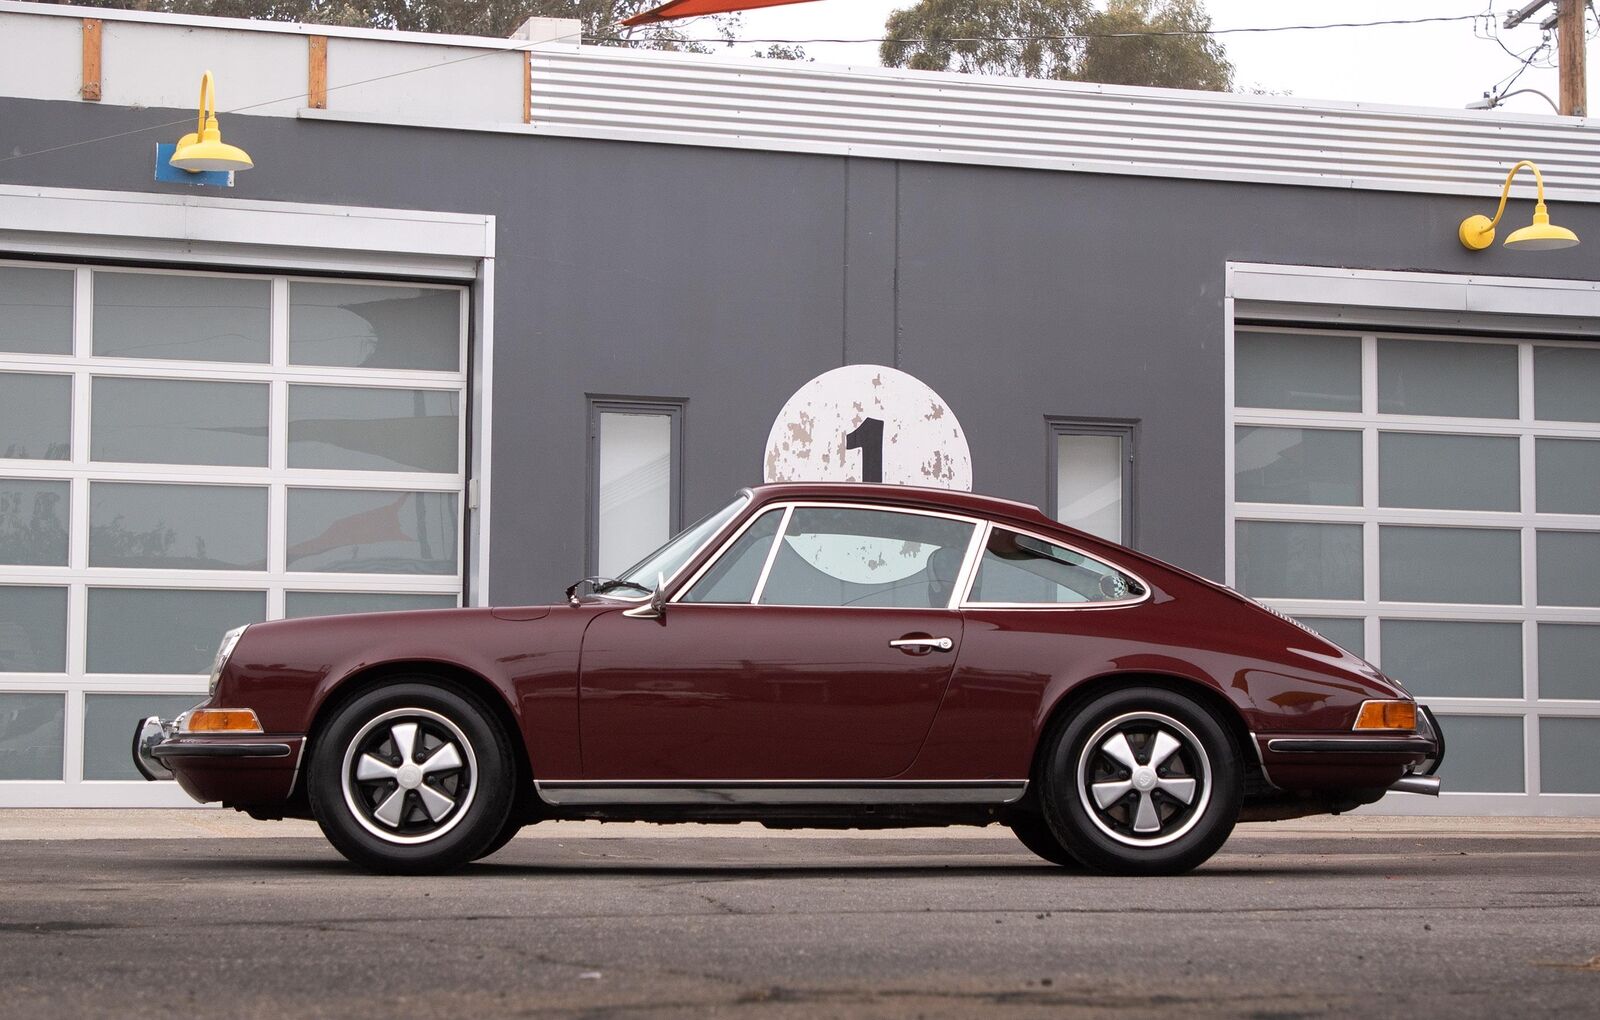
(845, 656)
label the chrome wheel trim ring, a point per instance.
(1189, 744)
(356, 801)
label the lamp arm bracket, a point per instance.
(1505, 189)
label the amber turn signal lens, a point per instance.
(1387, 715)
(222, 720)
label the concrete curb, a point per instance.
(200, 823)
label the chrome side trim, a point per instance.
(594, 793)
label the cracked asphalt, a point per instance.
(1383, 924)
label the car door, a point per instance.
(816, 646)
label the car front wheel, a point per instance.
(411, 778)
(1142, 781)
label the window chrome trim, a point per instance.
(978, 526)
(967, 603)
(755, 792)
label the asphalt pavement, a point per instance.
(596, 921)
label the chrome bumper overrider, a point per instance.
(146, 736)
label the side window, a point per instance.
(732, 579)
(1018, 568)
(841, 556)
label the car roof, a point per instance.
(905, 495)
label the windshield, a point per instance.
(670, 558)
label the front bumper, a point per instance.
(232, 768)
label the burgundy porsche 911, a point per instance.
(835, 656)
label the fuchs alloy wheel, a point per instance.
(412, 778)
(1034, 833)
(1142, 781)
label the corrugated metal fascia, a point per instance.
(914, 115)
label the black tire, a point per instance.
(1035, 834)
(390, 814)
(1144, 826)
(507, 833)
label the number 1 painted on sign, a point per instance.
(868, 438)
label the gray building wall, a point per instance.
(728, 278)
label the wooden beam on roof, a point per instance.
(317, 72)
(90, 90)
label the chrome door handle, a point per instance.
(943, 644)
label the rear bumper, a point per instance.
(1331, 761)
(254, 770)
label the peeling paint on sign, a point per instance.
(819, 435)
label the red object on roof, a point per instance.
(695, 8)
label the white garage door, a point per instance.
(181, 453)
(1434, 505)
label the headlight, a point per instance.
(223, 651)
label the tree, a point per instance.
(494, 18)
(1066, 40)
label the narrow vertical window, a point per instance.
(634, 496)
(1090, 480)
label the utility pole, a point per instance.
(1570, 49)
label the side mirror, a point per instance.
(656, 608)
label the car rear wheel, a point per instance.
(1035, 834)
(1142, 781)
(411, 778)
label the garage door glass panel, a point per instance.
(1569, 661)
(33, 629)
(1308, 373)
(35, 416)
(1447, 379)
(177, 527)
(1311, 466)
(35, 310)
(337, 603)
(167, 421)
(1569, 568)
(1454, 659)
(364, 326)
(181, 318)
(1567, 759)
(1448, 472)
(1347, 633)
(31, 730)
(1568, 476)
(164, 630)
(373, 532)
(1023, 570)
(834, 556)
(1494, 762)
(33, 522)
(108, 719)
(369, 429)
(1281, 559)
(1454, 565)
(732, 579)
(1566, 384)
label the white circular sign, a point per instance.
(868, 423)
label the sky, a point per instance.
(1441, 65)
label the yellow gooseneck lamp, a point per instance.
(203, 148)
(1477, 232)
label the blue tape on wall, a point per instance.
(166, 173)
